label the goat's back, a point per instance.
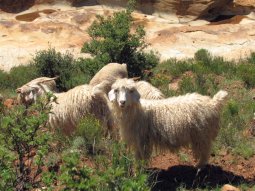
(110, 73)
(148, 91)
(187, 116)
(70, 107)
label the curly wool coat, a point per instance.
(166, 124)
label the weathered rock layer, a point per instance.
(179, 34)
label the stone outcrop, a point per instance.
(185, 10)
(64, 27)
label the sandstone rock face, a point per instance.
(64, 27)
(185, 10)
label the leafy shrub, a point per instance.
(251, 58)
(23, 146)
(117, 172)
(233, 107)
(17, 77)
(187, 85)
(113, 169)
(89, 67)
(173, 67)
(247, 72)
(20, 75)
(91, 132)
(71, 72)
(160, 80)
(51, 63)
(3, 79)
(112, 41)
(203, 56)
(206, 63)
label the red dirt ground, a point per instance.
(170, 172)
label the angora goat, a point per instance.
(110, 73)
(148, 91)
(28, 93)
(166, 124)
(70, 107)
(113, 71)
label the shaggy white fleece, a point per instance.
(166, 124)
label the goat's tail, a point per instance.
(219, 97)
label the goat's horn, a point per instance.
(50, 79)
(18, 90)
(136, 78)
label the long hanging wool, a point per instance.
(71, 106)
(166, 124)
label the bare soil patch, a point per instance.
(170, 172)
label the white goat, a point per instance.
(71, 106)
(28, 93)
(113, 71)
(166, 124)
(148, 91)
(110, 73)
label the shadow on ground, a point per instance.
(182, 175)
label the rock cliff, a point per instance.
(173, 28)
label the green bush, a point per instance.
(233, 107)
(3, 80)
(71, 72)
(113, 169)
(203, 84)
(88, 67)
(20, 75)
(112, 41)
(51, 63)
(91, 132)
(173, 67)
(206, 63)
(247, 72)
(22, 133)
(118, 171)
(187, 84)
(17, 77)
(251, 58)
(203, 56)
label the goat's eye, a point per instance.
(116, 91)
(131, 91)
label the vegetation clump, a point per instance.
(113, 41)
(24, 143)
(34, 156)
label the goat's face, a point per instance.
(27, 95)
(124, 93)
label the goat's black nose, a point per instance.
(122, 102)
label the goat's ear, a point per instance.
(19, 90)
(112, 95)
